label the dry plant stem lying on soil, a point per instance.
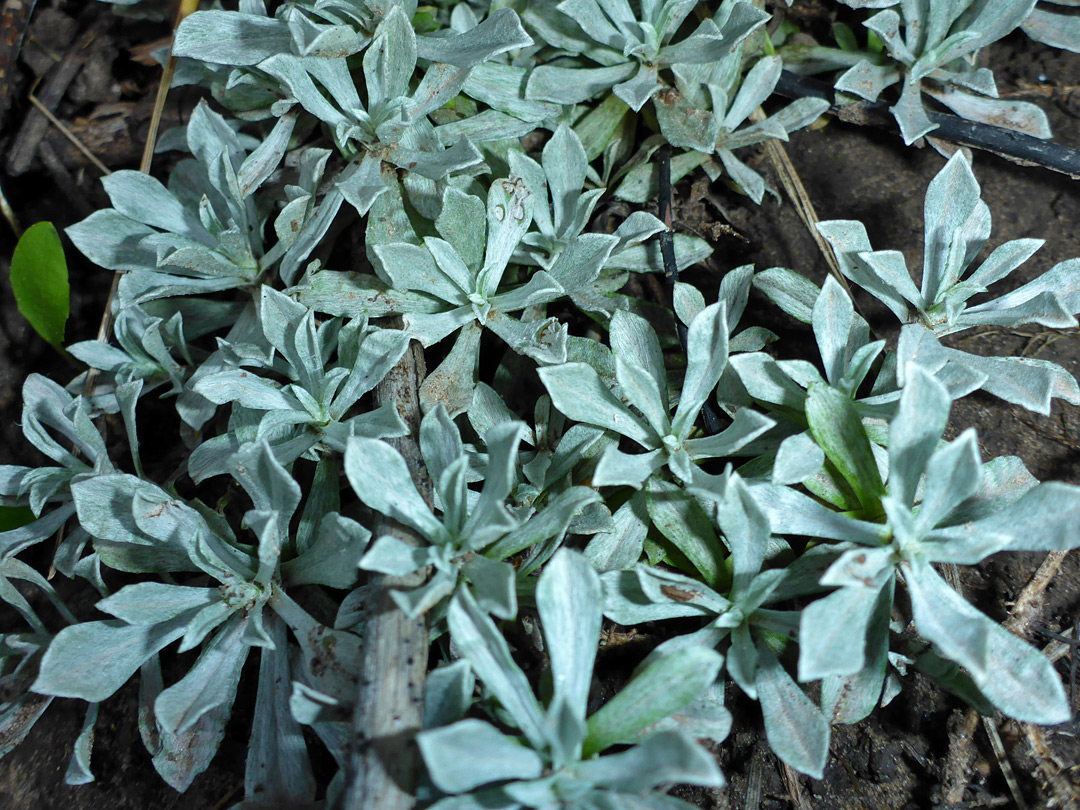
(384, 763)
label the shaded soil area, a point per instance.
(905, 756)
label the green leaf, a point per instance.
(15, 517)
(837, 428)
(39, 279)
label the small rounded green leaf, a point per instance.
(39, 279)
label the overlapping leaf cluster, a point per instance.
(571, 473)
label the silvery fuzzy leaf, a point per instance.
(308, 706)
(277, 768)
(418, 601)
(331, 560)
(688, 301)
(1024, 381)
(178, 758)
(565, 165)
(489, 518)
(683, 125)
(1045, 518)
(867, 80)
(616, 468)
(953, 474)
(268, 484)
(448, 694)
(661, 586)
(915, 431)
(140, 197)
(148, 603)
(231, 38)
(544, 341)
(832, 633)
(395, 557)
(353, 296)
(706, 349)
(210, 683)
(15, 540)
(502, 87)
(568, 600)
(1015, 677)
(471, 753)
(488, 409)
(484, 127)
(682, 521)
(486, 650)
(792, 292)
(852, 698)
(669, 756)
(945, 619)
(641, 87)
(578, 392)
(435, 165)
(797, 459)
(1005, 480)
(78, 771)
(621, 547)
(635, 341)
(329, 658)
(380, 478)
(260, 164)
(643, 390)
(113, 241)
(797, 731)
(752, 183)
(882, 273)
(551, 521)
(92, 660)
(1021, 116)
(833, 319)
(662, 688)
(494, 584)
(626, 601)
(837, 429)
(249, 390)
(411, 267)
(791, 512)
(499, 33)
(362, 183)
(756, 86)
(440, 441)
(574, 85)
(451, 385)
(463, 223)
(952, 203)
(746, 530)
(509, 213)
(1055, 30)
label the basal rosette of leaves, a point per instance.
(932, 49)
(564, 468)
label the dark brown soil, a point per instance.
(897, 760)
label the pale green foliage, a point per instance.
(561, 409)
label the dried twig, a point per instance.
(35, 124)
(67, 133)
(390, 700)
(1030, 601)
(796, 191)
(794, 787)
(1003, 763)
